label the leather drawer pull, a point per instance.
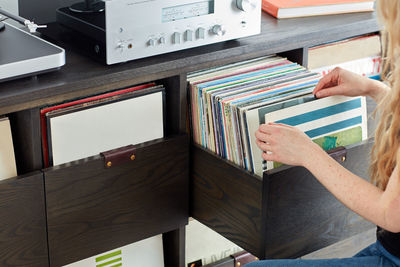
(118, 156)
(339, 154)
(242, 258)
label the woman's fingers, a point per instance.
(268, 156)
(329, 80)
(264, 146)
(335, 90)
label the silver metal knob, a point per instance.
(176, 38)
(245, 5)
(121, 45)
(162, 40)
(188, 35)
(218, 30)
(201, 33)
(151, 42)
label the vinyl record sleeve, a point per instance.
(228, 107)
(90, 128)
(324, 117)
(144, 253)
(255, 117)
(201, 107)
(7, 157)
(46, 110)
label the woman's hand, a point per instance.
(285, 144)
(343, 82)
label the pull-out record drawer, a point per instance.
(92, 208)
(285, 214)
(23, 239)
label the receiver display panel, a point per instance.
(187, 11)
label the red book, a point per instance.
(302, 8)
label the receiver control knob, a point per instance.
(244, 5)
(201, 33)
(176, 38)
(162, 40)
(188, 35)
(121, 45)
(151, 42)
(218, 30)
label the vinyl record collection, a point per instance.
(85, 127)
(229, 103)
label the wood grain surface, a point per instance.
(302, 216)
(23, 240)
(287, 215)
(91, 210)
(26, 134)
(81, 76)
(226, 199)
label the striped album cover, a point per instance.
(331, 122)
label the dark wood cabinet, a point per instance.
(23, 240)
(92, 209)
(285, 214)
(89, 209)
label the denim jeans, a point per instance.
(374, 255)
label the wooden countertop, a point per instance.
(83, 76)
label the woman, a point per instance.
(378, 203)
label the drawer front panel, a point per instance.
(91, 209)
(226, 199)
(302, 216)
(23, 240)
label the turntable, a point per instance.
(24, 54)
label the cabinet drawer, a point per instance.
(23, 239)
(92, 209)
(285, 214)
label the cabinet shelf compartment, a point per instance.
(285, 214)
(92, 209)
(23, 224)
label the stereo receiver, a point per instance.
(121, 30)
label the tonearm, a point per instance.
(32, 27)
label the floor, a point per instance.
(345, 248)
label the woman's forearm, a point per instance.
(377, 90)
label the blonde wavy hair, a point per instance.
(385, 152)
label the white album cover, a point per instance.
(203, 243)
(324, 117)
(144, 253)
(7, 158)
(88, 132)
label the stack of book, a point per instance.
(361, 55)
(302, 8)
(230, 102)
